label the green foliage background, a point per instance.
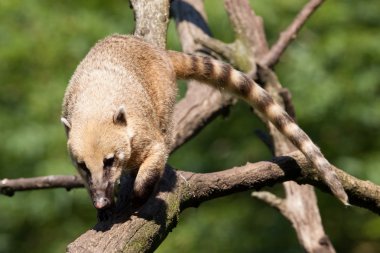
(332, 70)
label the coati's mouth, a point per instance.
(103, 198)
(101, 202)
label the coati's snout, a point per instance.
(102, 199)
(101, 182)
(100, 150)
(101, 202)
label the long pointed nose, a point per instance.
(101, 199)
(101, 202)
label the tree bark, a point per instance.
(250, 36)
(145, 229)
(201, 103)
(152, 18)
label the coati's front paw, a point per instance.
(138, 201)
(104, 214)
(144, 187)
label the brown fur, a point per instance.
(119, 104)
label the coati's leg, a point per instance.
(149, 173)
(104, 214)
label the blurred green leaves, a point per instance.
(41, 42)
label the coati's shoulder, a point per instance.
(116, 55)
(147, 61)
(130, 49)
(122, 69)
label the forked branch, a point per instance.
(290, 33)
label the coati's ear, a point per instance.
(66, 124)
(120, 117)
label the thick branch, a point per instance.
(288, 35)
(249, 31)
(199, 107)
(250, 44)
(144, 230)
(152, 18)
(293, 167)
(300, 204)
(201, 103)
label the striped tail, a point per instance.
(223, 76)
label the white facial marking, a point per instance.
(130, 132)
(109, 156)
(121, 156)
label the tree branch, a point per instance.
(152, 18)
(249, 30)
(201, 103)
(10, 186)
(290, 33)
(361, 193)
(305, 216)
(142, 231)
(300, 204)
(272, 200)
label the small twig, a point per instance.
(10, 186)
(288, 35)
(270, 199)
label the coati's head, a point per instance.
(100, 150)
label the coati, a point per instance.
(118, 106)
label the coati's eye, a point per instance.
(82, 166)
(108, 162)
